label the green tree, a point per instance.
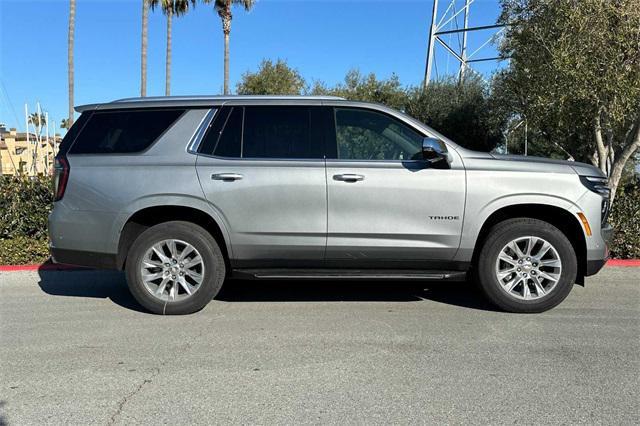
(369, 88)
(70, 65)
(462, 111)
(223, 7)
(574, 75)
(38, 121)
(272, 79)
(170, 8)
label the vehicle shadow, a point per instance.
(88, 283)
(3, 419)
(463, 294)
(112, 285)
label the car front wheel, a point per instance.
(526, 265)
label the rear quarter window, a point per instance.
(123, 132)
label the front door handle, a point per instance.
(348, 177)
(227, 177)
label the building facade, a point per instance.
(32, 158)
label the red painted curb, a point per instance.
(624, 262)
(62, 267)
(40, 267)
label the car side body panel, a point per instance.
(293, 211)
(105, 190)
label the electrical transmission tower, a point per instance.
(447, 23)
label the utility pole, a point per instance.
(463, 52)
(447, 24)
(432, 39)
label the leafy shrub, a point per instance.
(625, 217)
(23, 251)
(25, 204)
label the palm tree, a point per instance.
(70, 42)
(223, 7)
(143, 53)
(38, 120)
(170, 8)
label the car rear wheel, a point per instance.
(175, 268)
(526, 265)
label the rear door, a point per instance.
(262, 168)
(388, 207)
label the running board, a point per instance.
(348, 274)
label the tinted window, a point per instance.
(278, 132)
(71, 135)
(369, 135)
(210, 139)
(230, 140)
(114, 132)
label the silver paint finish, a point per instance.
(385, 215)
(295, 209)
(273, 209)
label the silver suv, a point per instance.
(184, 192)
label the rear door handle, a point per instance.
(348, 177)
(227, 177)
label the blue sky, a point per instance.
(323, 39)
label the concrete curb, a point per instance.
(628, 263)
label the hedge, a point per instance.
(25, 205)
(625, 218)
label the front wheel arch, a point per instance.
(562, 219)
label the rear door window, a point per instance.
(123, 132)
(276, 132)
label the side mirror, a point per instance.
(433, 150)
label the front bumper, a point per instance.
(595, 265)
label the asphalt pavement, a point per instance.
(76, 348)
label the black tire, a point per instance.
(210, 253)
(500, 235)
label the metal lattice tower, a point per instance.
(447, 24)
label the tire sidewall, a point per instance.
(511, 230)
(201, 240)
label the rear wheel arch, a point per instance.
(147, 217)
(564, 220)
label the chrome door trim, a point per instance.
(196, 139)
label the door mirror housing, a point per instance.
(434, 150)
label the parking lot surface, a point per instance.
(76, 348)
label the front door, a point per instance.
(263, 171)
(386, 206)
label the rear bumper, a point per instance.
(83, 258)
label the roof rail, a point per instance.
(223, 97)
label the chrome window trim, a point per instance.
(217, 157)
(201, 129)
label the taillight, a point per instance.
(60, 177)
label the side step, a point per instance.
(348, 274)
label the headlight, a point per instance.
(596, 184)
